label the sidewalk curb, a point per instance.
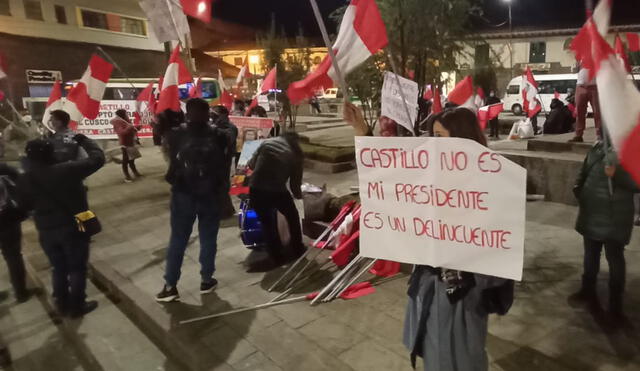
(151, 319)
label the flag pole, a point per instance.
(404, 99)
(332, 54)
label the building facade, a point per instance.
(509, 54)
(42, 40)
(254, 57)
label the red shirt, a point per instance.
(125, 131)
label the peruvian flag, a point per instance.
(84, 99)
(620, 99)
(176, 74)
(3, 67)
(428, 93)
(269, 82)
(200, 9)
(226, 99)
(462, 94)
(479, 100)
(145, 96)
(196, 89)
(633, 39)
(529, 93)
(54, 103)
(488, 113)
(581, 44)
(621, 53)
(244, 73)
(437, 101)
(362, 33)
(223, 86)
(252, 105)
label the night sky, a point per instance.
(290, 14)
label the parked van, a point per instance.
(122, 94)
(547, 86)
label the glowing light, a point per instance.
(254, 59)
(202, 7)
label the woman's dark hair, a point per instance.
(293, 140)
(122, 113)
(258, 111)
(461, 123)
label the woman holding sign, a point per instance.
(448, 310)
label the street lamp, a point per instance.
(510, 36)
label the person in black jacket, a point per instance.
(277, 161)
(197, 177)
(56, 193)
(11, 240)
(494, 125)
(220, 120)
(560, 120)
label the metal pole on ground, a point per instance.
(336, 279)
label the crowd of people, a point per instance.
(447, 312)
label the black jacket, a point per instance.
(56, 192)
(273, 164)
(181, 136)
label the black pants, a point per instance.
(265, 203)
(534, 123)
(128, 163)
(10, 244)
(494, 128)
(68, 253)
(617, 267)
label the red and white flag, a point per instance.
(619, 98)
(488, 113)
(176, 74)
(621, 53)
(196, 89)
(200, 9)
(226, 99)
(244, 73)
(146, 96)
(270, 81)
(437, 101)
(84, 99)
(223, 86)
(462, 94)
(54, 103)
(362, 33)
(3, 66)
(479, 100)
(581, 44)
(428, 93)
(529, 93)
(252, 105)
(633, 40)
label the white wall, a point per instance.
(18, 24)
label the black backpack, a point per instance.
(10, 208)
(200, 164)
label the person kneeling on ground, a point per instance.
(605, 218)
(560, 119)
(197, 177)
(57, 194)
(277, 161)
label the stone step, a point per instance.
(541, 145)
(105, 339)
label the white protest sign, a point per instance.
(392, 106)
(444, 202)
(167, 19)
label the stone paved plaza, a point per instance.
(541, 332)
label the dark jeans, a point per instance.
(184, 210)
(615, 257)
(68, 253)
(265, 203)
(494, 128)
(534, 123)
(10, 244)
(127, 163)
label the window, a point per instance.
(5, 9)
(120, 94)
(482, 55)
(33, 10)
(238, 61)
(513, 89)
(61, 15)
(113, 22)
(561, 86)
(538, 52)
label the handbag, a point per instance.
(133, 152)
(87, 222)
